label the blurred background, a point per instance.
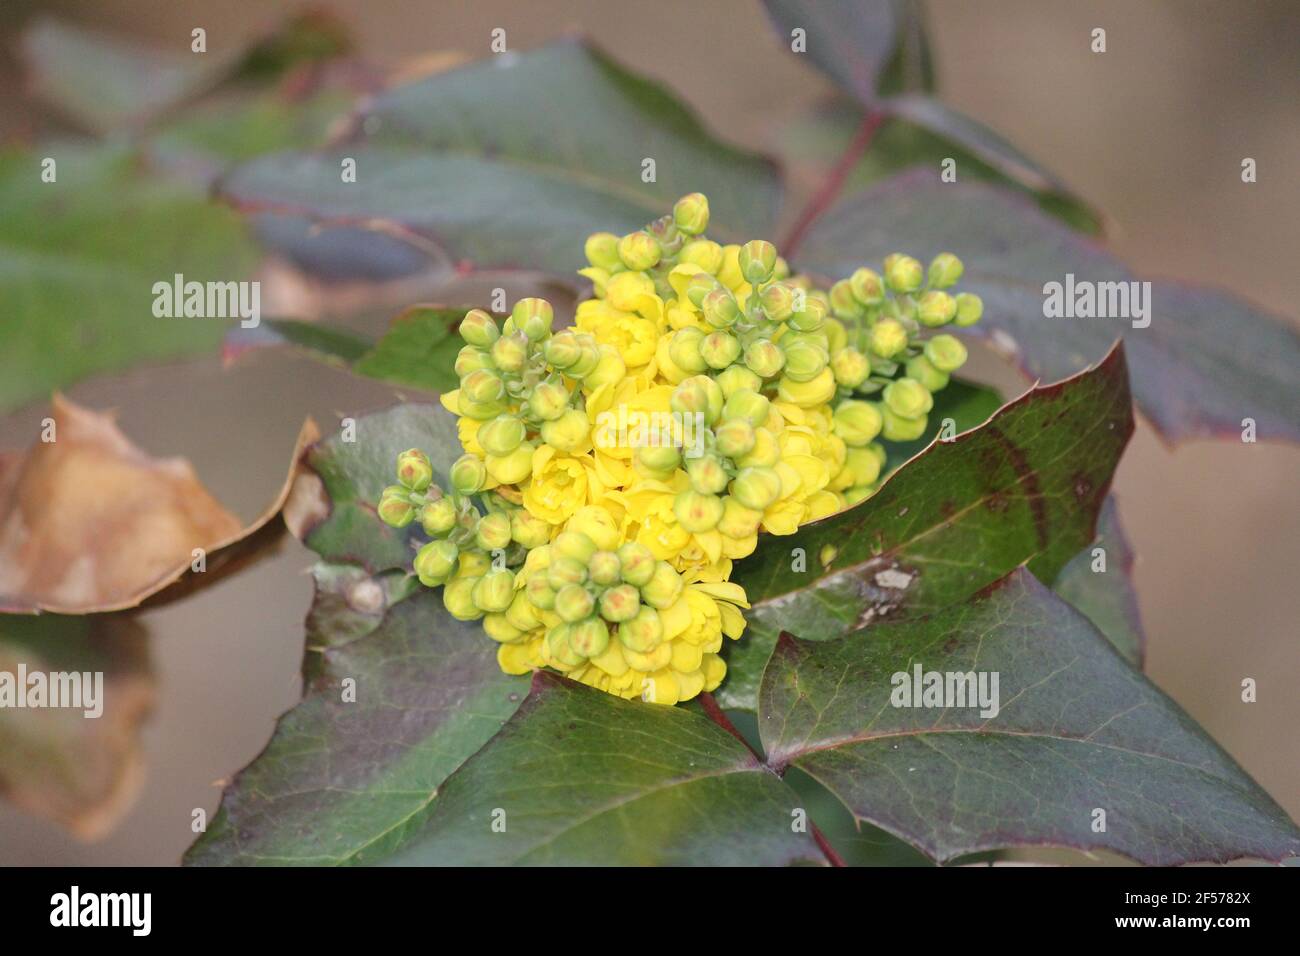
(1152, 133)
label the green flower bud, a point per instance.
(637, 563)
(765, 453)
(945, 270)
(720, 349)
(863, 464)
(609, 370)
(414, 470)
(707, 474)
(562, 350)
(482, 387)
(704, 253)
(696, 511)
(803, 361)
(756, 488)
(573, 602)
(737, 378)
(903, 274)
(604, 568)
(866, 286)
(540, 593)
(699, 286)
(493, 532)
(438, 517)
(436, 562)
(571, 432)
(887, 338)
(691, 214)
(639, 251)
(533, 317)
(548, 401)
(601, 250)
(660, 459)
(575, 545)
(644, 632)
(501, 435)
(970, 308)
(908, 398)
(734, 437)
(857, 423)
(764, 358)
(510, 352)
(663, 589)
(737, 520)
(522, 614)
(479, 329)
(395, 508)
(747, 406)
(620, 604)
(471, 359)
(850, 367)
(921, 369)
(946, 353)
(468, 474)
(757, 260)
(458, 599)
(837, 337)
(684, 350)
(495, 590)
(777, 301)
(514, 467)
(720, 308)
(557, 643)
(812, 318)
(529, 530)
(898, 428)
(698, 395)
(589, 638)
(844, 304)
(936, 308)
(588, 358)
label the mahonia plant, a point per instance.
(605, 552)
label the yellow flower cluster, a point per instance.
(623, 464)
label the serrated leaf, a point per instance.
(513, 160)
(580, 777)
(81, 256)
(1190, 374)
(1107, 597)
(1077, 730)
(332, 510)
(347, 782)
(1023, 488)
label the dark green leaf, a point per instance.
(514, 160)
(327, 343)
(342, 525)
(1024, 488)
(1192, 376)
(851, 41)
(1107, 597)
(579, 777)
(81, 256)
(348, 782)
(1077, 730)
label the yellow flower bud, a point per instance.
(747, 406)
(604, 568)
(664, 587)
(898, 428)
(468, 475)
(458, 599)
(778, 301)
(565, 570)
(540, 593)
(589, 638)
(920, 368)
(903, 274)
(637, 563)
(764, 358)
(765, 453)
(844, 304)
(482, 386)
(598, 525)
(548, 401)
(573, 603)
(734, 437)
(907, 398)
(887, 338)
(804, 361)
(857, 423)
(479, 329)
(562, 350)
(691, 214)
(471, 359)
(720, 349)
(493, 531)
(575, 545)
(608, 371)
(684, 350)
(946, 353)
(738, 521)
(696, 511)
(501, 435)
(866, 286)
(756, 487)
(414, 470)
(863, 464)
(395, 508)
(644, 632)
(850, 367)
(698, 395)
(529, 530)
(639, 251)
(495, 590)
(720, 308)
(737, 378)
(970, 308)
(704, 253)
(436, 562)
(438, 517)
(936, 308)
(707, 474)
(533, 317)
(601, 250)
(620, 603)
(807, 394)
(757, 259)
(571, 432)
(658, 459)
(945, 270)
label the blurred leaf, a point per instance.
(105, 83)
(815, 141)
(331, 345)
(512, 161)
(349, 782)
(850, 41)
(1107, 598)
(332, 507)
(1025, 488)
(89, 522)
(1077, 729)
(1191, 375)
(586, 778)
(83, 773)
(81, 257)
